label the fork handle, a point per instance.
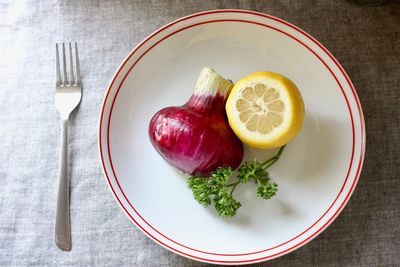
(63, 227)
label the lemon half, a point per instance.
(265, 110)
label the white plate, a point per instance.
(316, 174)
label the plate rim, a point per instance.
(295, 246)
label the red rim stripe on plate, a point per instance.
(261, 24)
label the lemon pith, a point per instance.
(265, 110)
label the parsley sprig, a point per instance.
(217, 189)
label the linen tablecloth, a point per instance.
(365, 40)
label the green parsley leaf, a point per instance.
(199, 187)
(219, 179)
(225, 205)
(251, 170)
(266, 191)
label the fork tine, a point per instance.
(78, 76)
(58, 74)
(64, 65)
(71, 67)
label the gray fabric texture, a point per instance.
(365, 40)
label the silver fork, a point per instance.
(68, 97)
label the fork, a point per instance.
(67, 98)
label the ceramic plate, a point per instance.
(317, 172)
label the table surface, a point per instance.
(365, 40)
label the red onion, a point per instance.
(196, 137)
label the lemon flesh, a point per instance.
(265, 110)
